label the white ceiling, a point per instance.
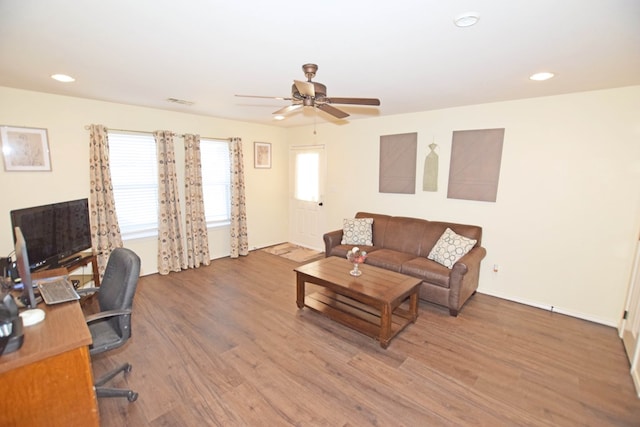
(408, 53)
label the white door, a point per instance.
(630, 326)
(307, 222)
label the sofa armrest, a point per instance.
(471, 260)
(331, 240)
(464, 278)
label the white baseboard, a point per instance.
(635, 374)
(552, 308)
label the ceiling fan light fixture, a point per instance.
(467, 19)
(63, 78)
(313, 94)
(540, 77)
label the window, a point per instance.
(216, 180)
(134, 175)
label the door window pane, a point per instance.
(307, 170)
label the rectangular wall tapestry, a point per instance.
(475, 164)
(398, 163)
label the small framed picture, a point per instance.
(25, 149)
(262, 155)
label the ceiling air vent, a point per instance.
(179, 101)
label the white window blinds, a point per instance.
(134, 174)
(216, 180)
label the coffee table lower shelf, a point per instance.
(356, 315)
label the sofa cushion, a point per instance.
(379, 226)
(434, 231)
(405, 234)
(388, 259)
(427, 270)
(450, 247)
(357, 231)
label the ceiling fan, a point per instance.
(314, 94)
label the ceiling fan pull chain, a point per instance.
(315, 117)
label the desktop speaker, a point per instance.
(8, 268)
(5, 263)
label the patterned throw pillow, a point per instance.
(450, 247)
(357, 231)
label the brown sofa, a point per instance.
(402, 244)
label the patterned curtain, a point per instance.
(170, 247)
(239, 239)
(105, 231)
(197, 238)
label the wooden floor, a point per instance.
(226, 345)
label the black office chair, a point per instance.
(111, 326)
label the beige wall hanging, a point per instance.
(430, 178)
(475, 164)
(398, 154)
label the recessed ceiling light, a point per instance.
(541, 76)
(63, 78)
(278, 117)
(467, 19)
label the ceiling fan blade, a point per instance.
(332, 110)
(265, 97)
(305, 88)
(288, 109)
(358, 101)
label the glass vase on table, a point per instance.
(356, 257)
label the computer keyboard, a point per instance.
(57, 290)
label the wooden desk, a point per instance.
(48, 381)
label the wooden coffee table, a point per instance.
(369, 303)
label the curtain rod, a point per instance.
(87, 127)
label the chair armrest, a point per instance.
(106, 314)
(331, 240)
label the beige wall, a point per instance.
(567, 215)
(563, 229)
(65, 119)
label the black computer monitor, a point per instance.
(22, 261)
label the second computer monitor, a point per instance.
(22, 261)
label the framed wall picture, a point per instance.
(262, 155)
(25, 149)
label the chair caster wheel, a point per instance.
(132, 396)
(128, 368)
